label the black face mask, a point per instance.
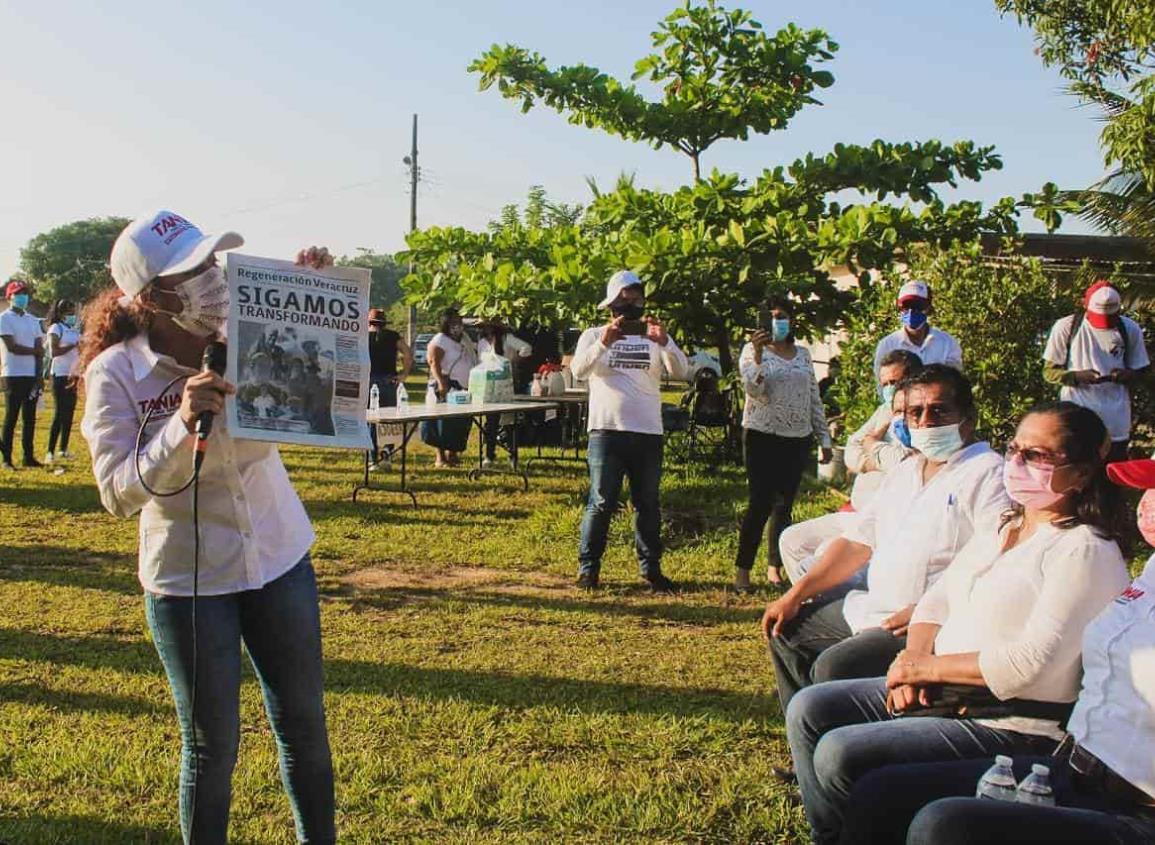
(629, 310)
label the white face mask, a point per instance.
(937, 444)
(206, 303)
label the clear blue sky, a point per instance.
(287, 121)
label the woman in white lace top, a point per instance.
(782, 418)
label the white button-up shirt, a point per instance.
(887, 453)
(915, 529)
(1114, 717)
(938, 347)
(1024, 611)
(253, 527)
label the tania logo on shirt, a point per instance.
(1130, 594)
(163, 407)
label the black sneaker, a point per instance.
(31, 463)
(661, 584)
(784, 774)
(587, 582)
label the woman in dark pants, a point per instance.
(63, 346)
(782, 417)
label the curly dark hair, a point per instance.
(107, 323)
(1099, 504)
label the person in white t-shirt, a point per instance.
(64, 348)
(451, 356)
(622, 362)
(21, 347)
(928, 508)
(1096, 355)
(224, 560)
(998, 638)
(917, 335)
(498, 339)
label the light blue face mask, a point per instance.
(937, 444)
(779, 329)
(70, 321)
(888, 391)
(20, 300)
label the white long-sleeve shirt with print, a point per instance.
(625, 380)
(253, 527)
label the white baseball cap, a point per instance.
(618, 282)
(162, 244)
(914, 290)
(1102, 302)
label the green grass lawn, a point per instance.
(473, 694)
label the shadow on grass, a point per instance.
(81, 497)
(91, 830)
(521, 692)
(61, 566)
(491, 688)
(35, 695)
(672, 611)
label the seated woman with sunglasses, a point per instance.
(992, 661)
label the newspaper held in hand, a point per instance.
(299, 352)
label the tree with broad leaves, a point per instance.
(711, 251)
(71, 261)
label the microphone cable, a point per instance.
(194, 483)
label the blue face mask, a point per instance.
(779, 329)
(888, 391)
(912, 319)
(900, 431)
(20, 300)
(70, 321)
(937, 444)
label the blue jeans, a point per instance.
(886, 801)
(613, 456)
(840, 730)
(280, 626)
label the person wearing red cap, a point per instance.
(917, 335)
(1096, 354)
(20, 352)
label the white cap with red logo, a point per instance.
(1102, 302)
(914, 290)
(162, 244)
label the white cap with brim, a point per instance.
(162, 244)
(914, 290)
(618, 282)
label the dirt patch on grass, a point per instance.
(460, 579)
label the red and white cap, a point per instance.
(913, 290)
(15, 286)
(162, 244)
(1139, 474)
(1102, 302)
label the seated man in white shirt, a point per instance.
(871, 451)
(927, 509)
(917, 335)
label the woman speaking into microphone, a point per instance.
(226, 560)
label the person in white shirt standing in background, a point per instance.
(917, 335)
(623, 361)
(782, 418)
(499, 340)
(225, 561)
(1096, 354)
(63, 346)
(21, 347)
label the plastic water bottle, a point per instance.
(402, 396)
(1036, 787)
(998, 782)
(374, 398)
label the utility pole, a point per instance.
(414, 176)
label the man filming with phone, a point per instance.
(622, 361)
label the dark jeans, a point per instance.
(886, 801)
(840, 731)
(19, 392)
(774, 468)
(387, 398)
(64, 392)
(280, 627)
(493, 428)
(613, 456)
(817, 646)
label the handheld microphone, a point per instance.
(214, 360)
